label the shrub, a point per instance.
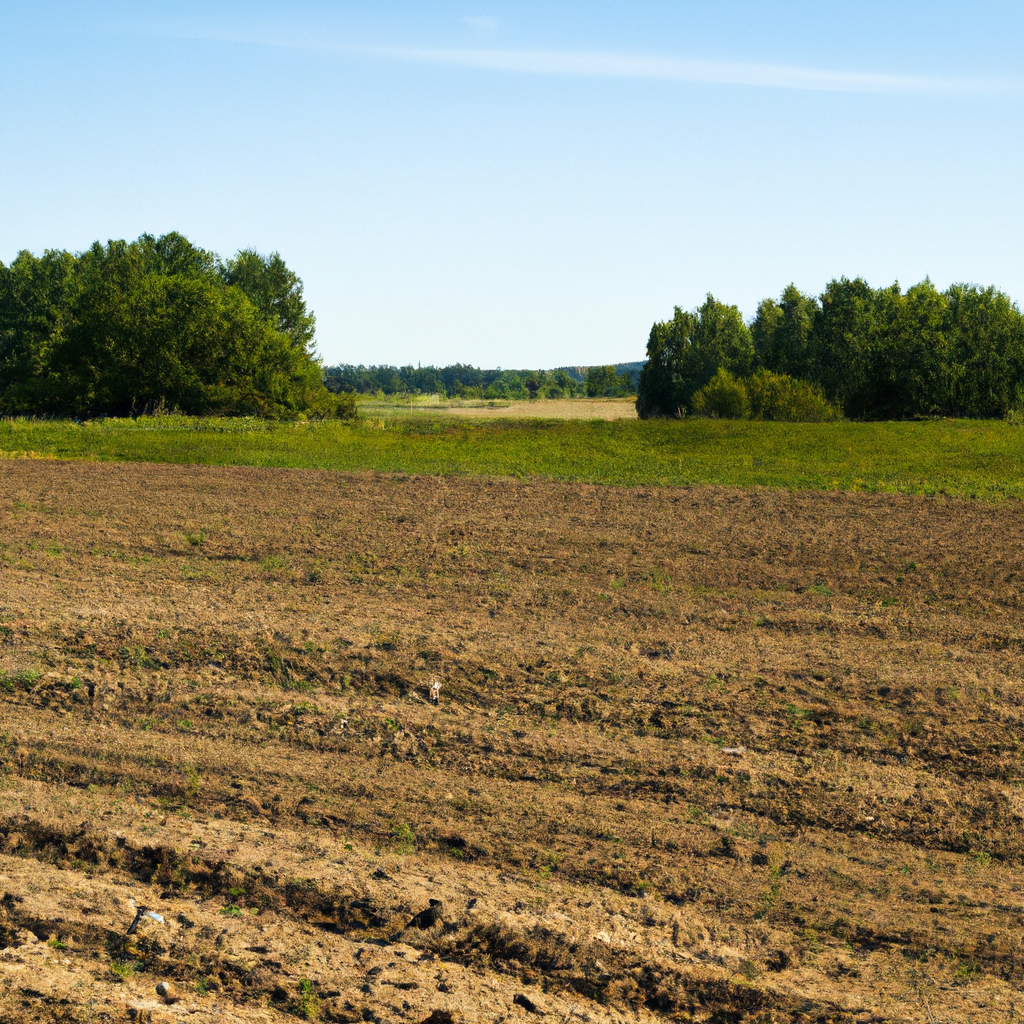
(723, 397)
(777, 396)
(345, 406)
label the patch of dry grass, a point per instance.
(538, 408)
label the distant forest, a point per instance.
(462, 381)
(863, 352)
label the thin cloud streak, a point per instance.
(636, 66)
(611, 65)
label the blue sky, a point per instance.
(527, 184)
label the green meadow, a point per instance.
(964, 458)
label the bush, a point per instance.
(723, 397)
(777, 396)
(345, 407)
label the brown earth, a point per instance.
(213, 701)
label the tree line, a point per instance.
(870, 353)
(157, 323)
(460, 380)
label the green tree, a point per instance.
(907, 352)
(840, 343)
(604, 382)
(684, 353)
(665, 377)
(276, 292)
(563, 386)
(871, 353)
(35, 298)
(781, 332)
(985, 369)
(131, 326)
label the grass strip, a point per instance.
(962, 458)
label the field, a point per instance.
(962, 458)
(538, 408)
(701, 754)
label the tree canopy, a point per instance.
(460, 380)
(874, 353)
(159, 322)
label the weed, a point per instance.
(135, 654)
(405, 838)
(966, 971)
(193, 780)
(24, 680)
(307, 1003)
(766, 900)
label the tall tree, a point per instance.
(275, 291)
(36, 296)
(781, 332)
(985, 372)
(684, 353)
(840, 343)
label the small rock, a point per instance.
(163, 990)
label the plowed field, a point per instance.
(700, 754)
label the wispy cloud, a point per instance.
(632, 66)
(613, 65)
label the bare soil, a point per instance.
(700, 754)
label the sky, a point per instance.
(524, 184)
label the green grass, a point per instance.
(965, 458)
